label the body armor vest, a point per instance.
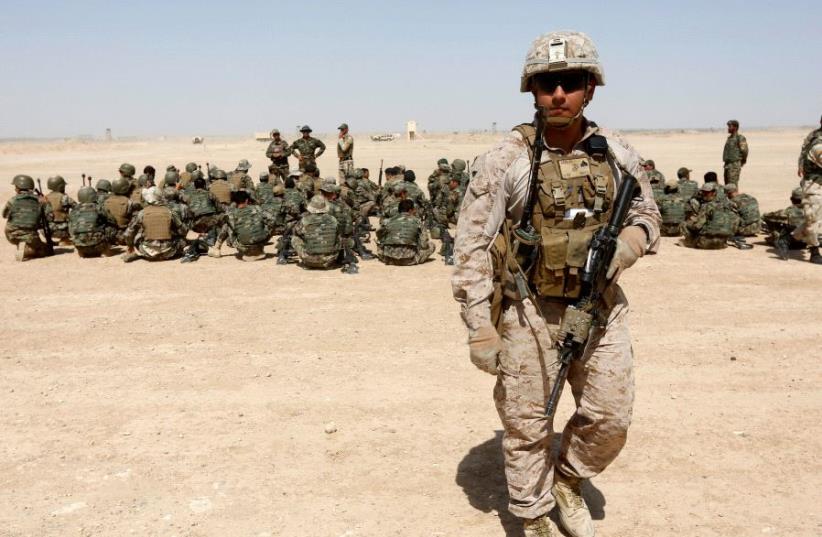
(157, 223)
(221, 190)
(25, 213)
(56, 201)
(688, 189)
(401, 230)
(574, 200)
(748, 209)
(136, 195)
(292, 200)
(250, 226)
(185, 180)
(83, 219)
(721, 222)
(117, 205)
(265, 193)
(199, 201)
(321, 236)
(672, 209)
(236, 180)
(810, 171)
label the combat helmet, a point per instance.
(218, 174)
(23, 182)
(305, 128)
(329, 185)
(87, 195)
(120, 186)
(103, 185)
(56, 183)
(556, 52)
(317, 205)
(127, 169)
(458, 165)
(171, 178)
(243, 165)
(191, 166)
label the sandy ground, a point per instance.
(189, 400)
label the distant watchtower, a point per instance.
(411, 130)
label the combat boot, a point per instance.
(211, 237)
(350, 268)
(20, 254)
(128, 257)
(573, 512)
(214, 251)
(816, 258)
(539, 527)
(282, 257)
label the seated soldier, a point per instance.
(318, 241)
(26, 213)
(61, 204)
(247, 228)
(91, 229)
(713, 223)
(402, 239)
(672, 209)
(748, 209)
(780, 224)
(206, 210)
(156, 233)
(687, 188)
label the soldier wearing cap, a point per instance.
(687, 188)
(239, 178)
(25, 214)
(713, 223)
(780, 224)
(307, 149)
(345, 151)
(438, 178)
(655, 177)
(509, 335)
(735, 153)
(278, 151)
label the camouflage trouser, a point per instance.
(204, 224)
(280, 170)
(59, 230)
(250, 252)
(34, 246)
(602, 384)
(307, 160)
(703, 242)
(670, 230)
(749, 230)
(119, 237)
(404, 255)
(812, 209)
(346, 168)
(160, 250)
(313, 261)
(732, 171)
(366, 208)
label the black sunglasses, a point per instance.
(570, 81)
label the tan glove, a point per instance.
(631, 245)
(485, 346)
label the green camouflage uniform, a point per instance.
(278, 151)
(239, 180)
(687, 189)
(402, 240)
(307, 150)
(205, 210)
(317, 240)
(247, 229)
(92, 230)
(734, 155)
(672, 208)
(711, 227)
(748, 209)
(784, 222)
(61, 205)
(657, 182)
(23, 214)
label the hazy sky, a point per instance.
(150, 67)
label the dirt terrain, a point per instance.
(223, 398)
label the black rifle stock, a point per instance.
(525, 236)
(45, 221)
(579, 316)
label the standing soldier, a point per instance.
(806, 145)
(90, 227)
(156, 233)
(307, 149)
(247, 228)
(278, 152)
(735, 153)
(345, 152)
(239, 178)
(120, 207)
(61, 204)
(510, 334)
(811, 228)
(25, 214)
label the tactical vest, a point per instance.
(277, 151)
(574, 200)
(748, 209)
(250, 226)
(345, 155)
(83, 219)
(185, 179)
(293, 201)
(342, 214)
(199, 201)
(275, 207)
(56, 201)
(721, 222)
(236, 180)
(688, 189)
(321, 235)
(672, 209)
(117, 205)
(221, 190)
(265, 193)
(25, 212)
(401, 230)
(136, 195)
(658, 190)
(157, 223)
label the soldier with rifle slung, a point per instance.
(555, 207)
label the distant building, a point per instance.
(411, 130)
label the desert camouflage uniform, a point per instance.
(307, 150)
(734, 155)
(602, 382)
(811, 195)
(156, 250)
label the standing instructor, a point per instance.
(509, 335)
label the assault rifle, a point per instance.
(579, 317)
(44, 222)
(379, 181)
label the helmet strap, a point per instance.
(565, 122)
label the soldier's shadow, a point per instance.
(481, 475)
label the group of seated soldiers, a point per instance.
(320, 223)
